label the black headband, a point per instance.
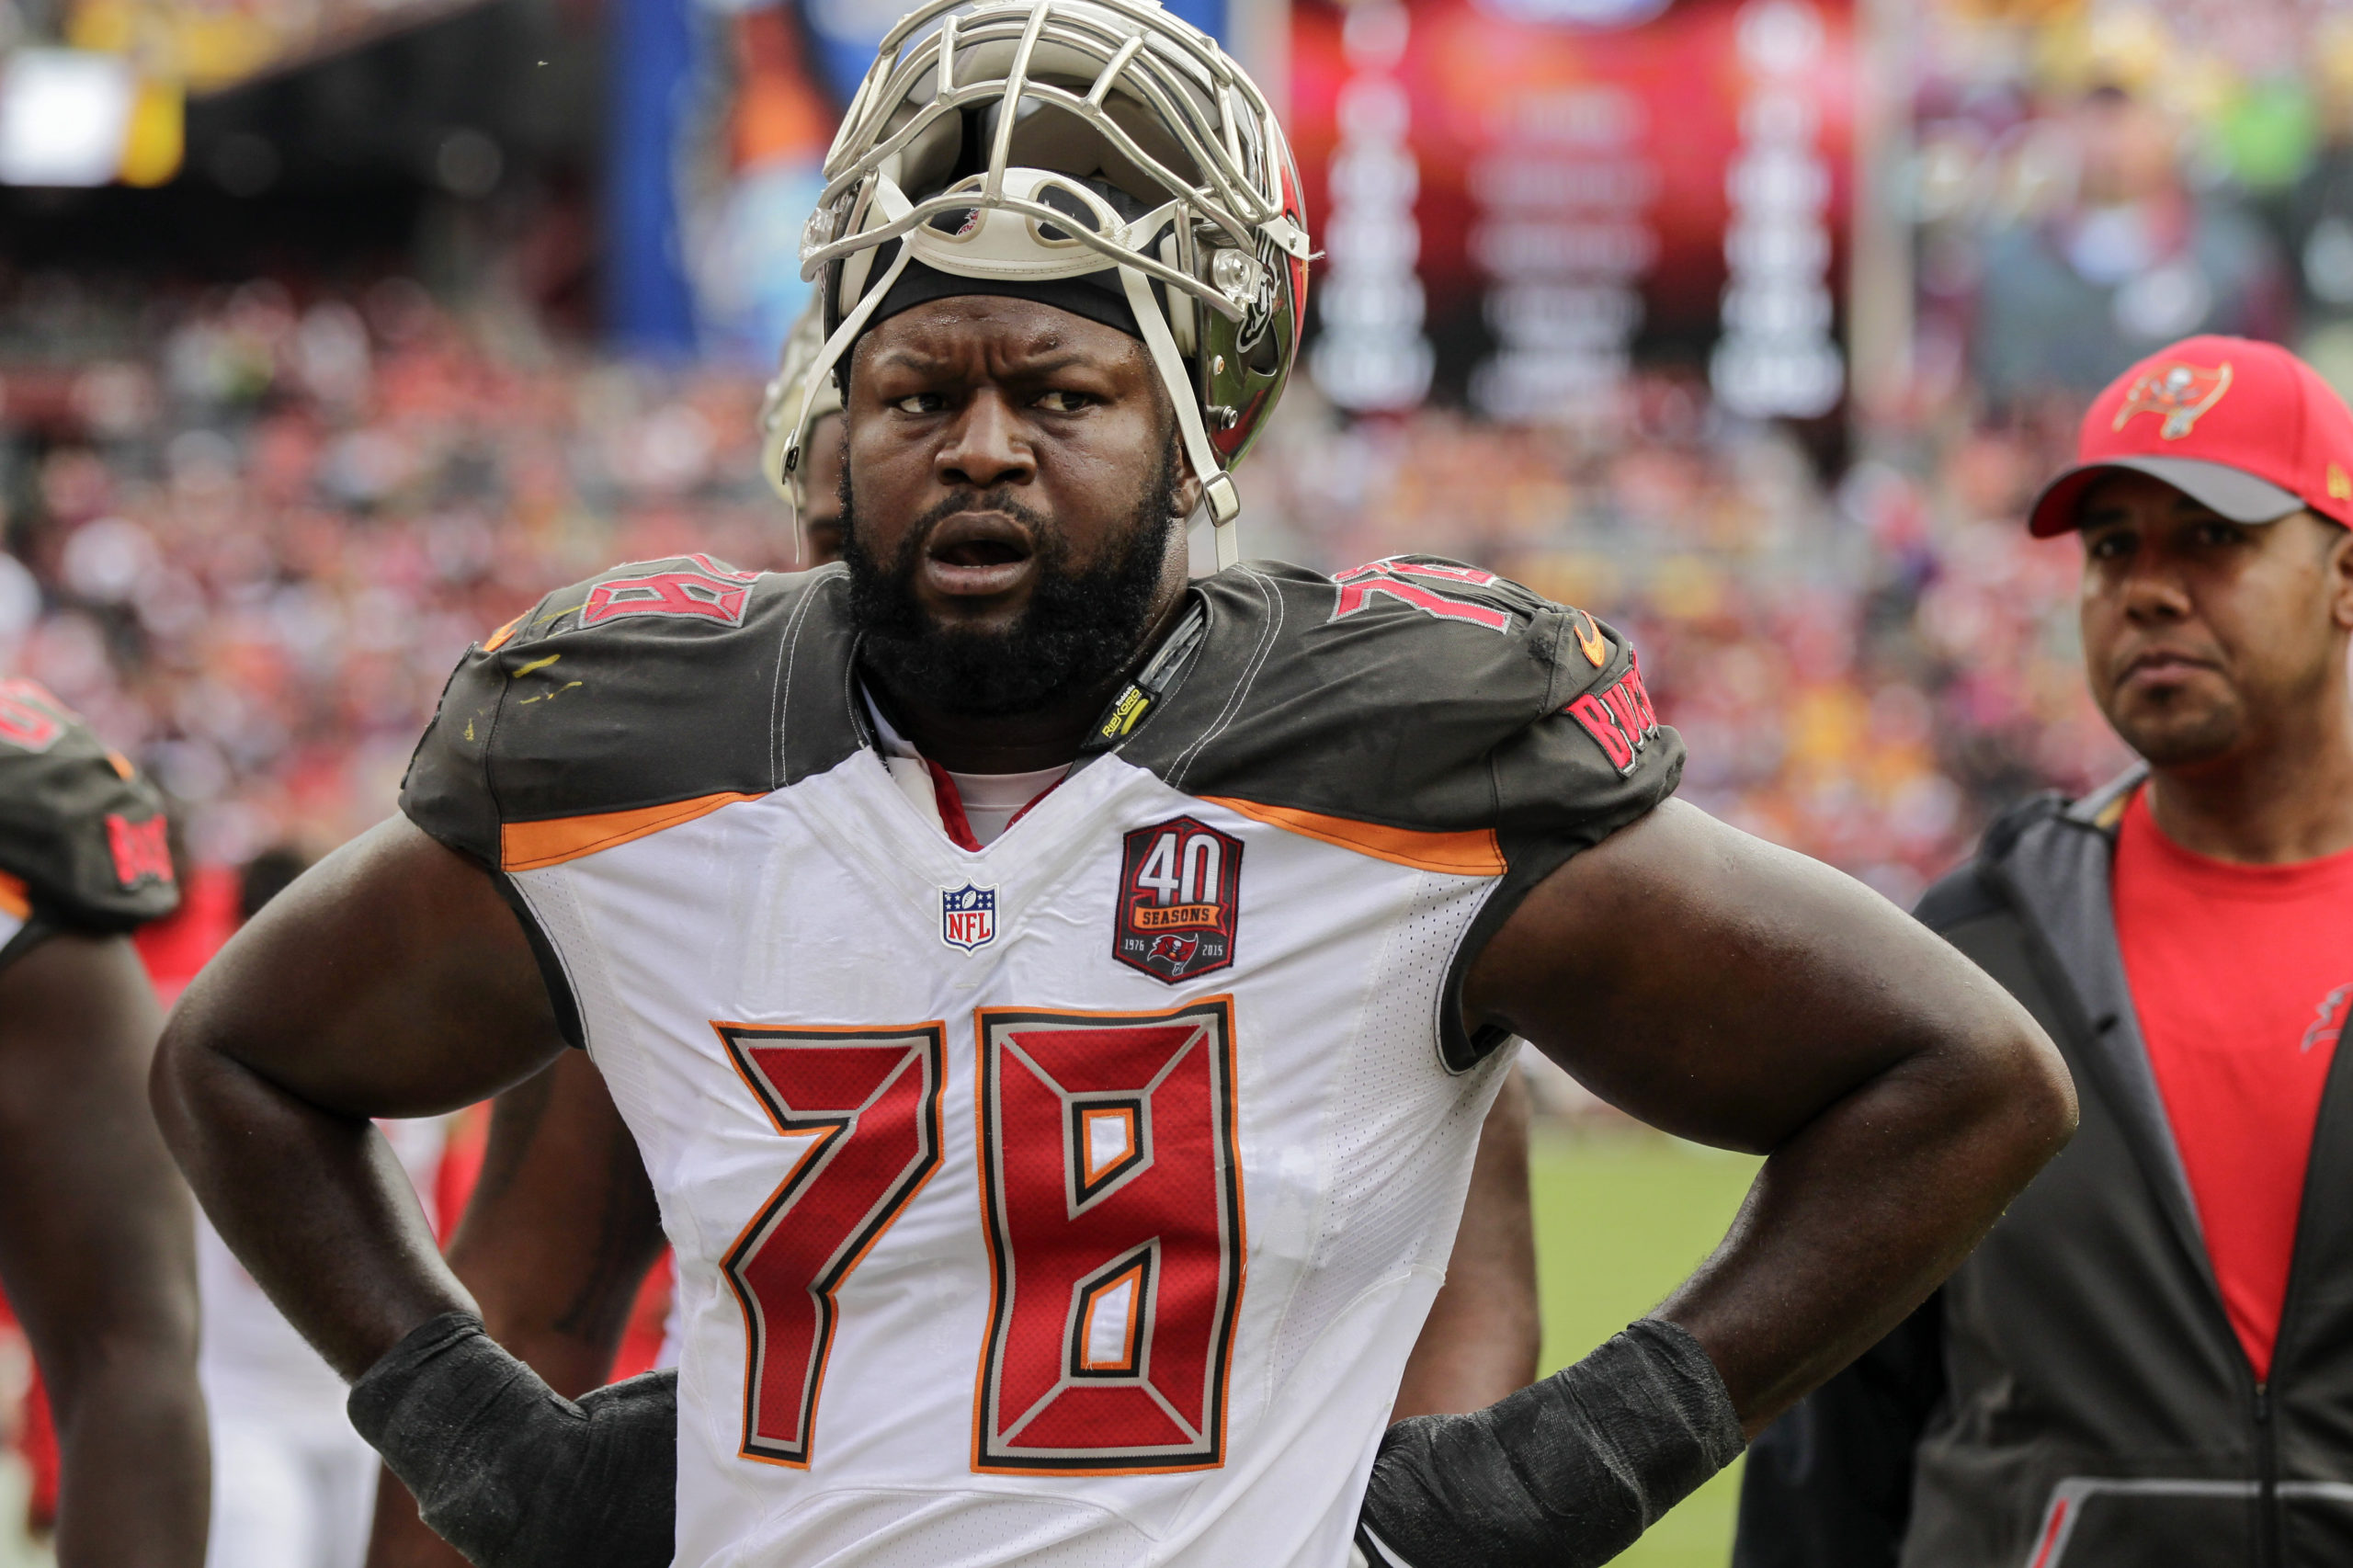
(1097, 296)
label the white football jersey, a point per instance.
(1075, 1200)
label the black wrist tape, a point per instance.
(1563, 1475)
(513, 1474)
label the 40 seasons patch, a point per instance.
(1180, 884)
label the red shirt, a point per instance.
(2241, 976)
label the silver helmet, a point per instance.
(794, 400)
(997, 167)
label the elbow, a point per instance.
(169, 1084)
(2026, 1097)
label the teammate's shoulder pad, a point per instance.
(655, 683)
(83, 838)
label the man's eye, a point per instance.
(2220, 533)
(920, 403)
(1065, 402)
(2111, 546)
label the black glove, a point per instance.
(1563, 1474)
(509, 1472)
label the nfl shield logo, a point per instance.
(968, 916)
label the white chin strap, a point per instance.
(1217, 485)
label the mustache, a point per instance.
(1000, 498)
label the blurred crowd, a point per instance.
(250, 540)
(250, 543)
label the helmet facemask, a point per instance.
(1002, 169)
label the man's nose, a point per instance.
(987, 446)
(2152, 591)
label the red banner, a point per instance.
(1575, 186)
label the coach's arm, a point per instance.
(1743, 996)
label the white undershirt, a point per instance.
(991, 800)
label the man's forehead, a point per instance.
(996, 327)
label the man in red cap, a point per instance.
(2150, 1361)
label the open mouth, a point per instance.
(978, 553)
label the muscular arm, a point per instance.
(1744, 996)
(391, 980)
(97, 1253)
(556, 1240)
(1485, 1331)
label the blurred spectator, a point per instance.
(2129, 259)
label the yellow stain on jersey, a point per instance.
(535, 664)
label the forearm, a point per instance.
(1854, 1220)
(314, 1204)
(557, 1238)
(134, 1488)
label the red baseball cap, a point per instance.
(2243, 426)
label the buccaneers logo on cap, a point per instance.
(2177, 394)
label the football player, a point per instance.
(1056, 1002)
(96, 1237)
(563, 1229)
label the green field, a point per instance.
(1620, 1219)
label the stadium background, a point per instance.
(334, 332)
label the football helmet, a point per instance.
(982, 143)
(790, 391)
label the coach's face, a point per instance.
(1000, 440)
(2201, 634)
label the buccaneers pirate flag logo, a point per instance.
(1179, 881)
(2179, 394)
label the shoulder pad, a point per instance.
(636, 699)
(1422, 712)
(83, 838)
(1416, 694)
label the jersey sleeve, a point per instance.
(83, 843)
(613, 707)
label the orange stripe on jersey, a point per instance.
(531, 845)
(14, 901)
(1467, 854)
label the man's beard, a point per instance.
(1079, 631)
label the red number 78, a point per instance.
(1111, 1195)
